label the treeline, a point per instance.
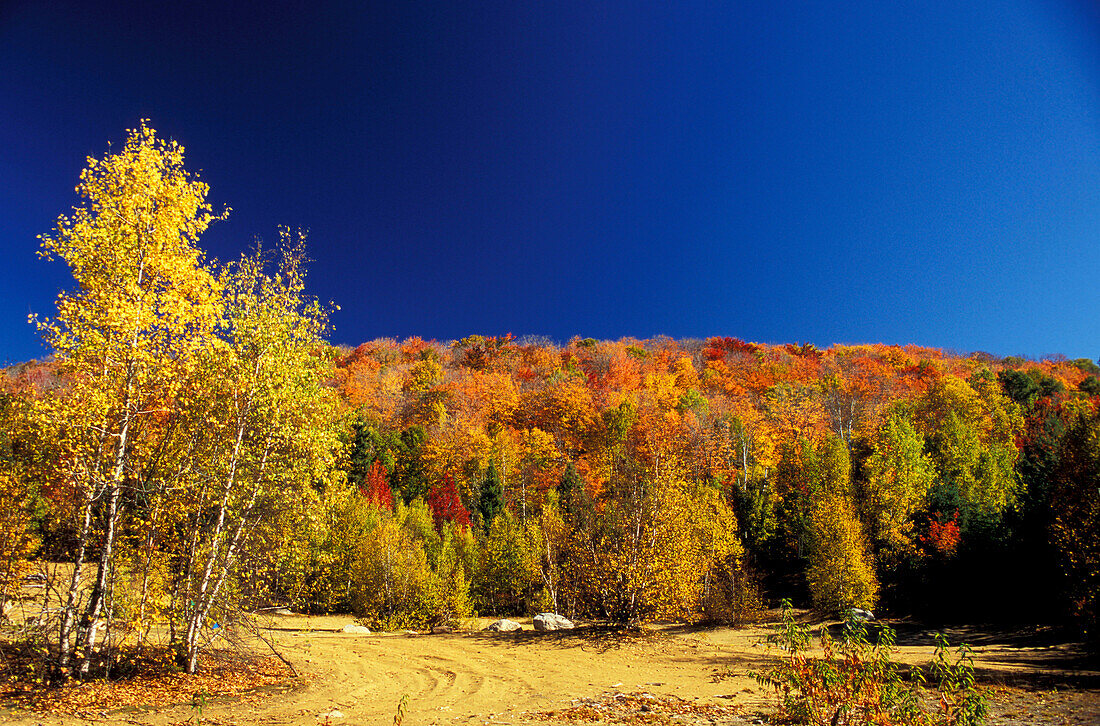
(954, 486)
(197, 450)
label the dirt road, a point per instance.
(674, 675)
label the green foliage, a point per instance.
(410, 475)
(491, 498)
(797, 478)
(508, 568)
(1075, 530)
(755, 505)
(333, 534)
(448, 598)
(571, 489)
(807, 474)
(970, 431)
(900, 475)
(1019, 386)
(1086, 365)
(21, 504)
(961, 702)
(369, 444)
(692, 400)
(1026, 387)
(619, 420)
(401, 453)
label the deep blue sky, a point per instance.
(901, 172)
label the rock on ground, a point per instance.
(504, 626)
(552, 621)
(357, 629)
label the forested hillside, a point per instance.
(195, 449)
(651, 478)
(923, 480)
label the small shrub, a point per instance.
(855, 682)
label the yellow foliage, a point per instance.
(651, 551)
(391, 576)
(900, 476)
(841, 573)
(16, 540)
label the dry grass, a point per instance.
(639, 708)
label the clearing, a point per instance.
(668, 674)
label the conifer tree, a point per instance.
(491, 500)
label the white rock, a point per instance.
(504, 626)
(357, 629)
(331, 714)
(552, 621)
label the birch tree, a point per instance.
(271, 419)
(144, 304)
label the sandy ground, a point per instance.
(675, 675)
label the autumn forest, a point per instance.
(194, 447)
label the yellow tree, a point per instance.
(900, 475)
(970, 431)
(547, 532)
(271, 418)
(536, 458)
(841, 571)
(145, 303)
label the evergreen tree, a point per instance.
(571, 490)
(491, 500)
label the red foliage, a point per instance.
(33, 379)
(446, 505)
(412, 348)
(377, 487)
(717, 348)
(943, 536)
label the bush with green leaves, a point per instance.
(854, 682)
